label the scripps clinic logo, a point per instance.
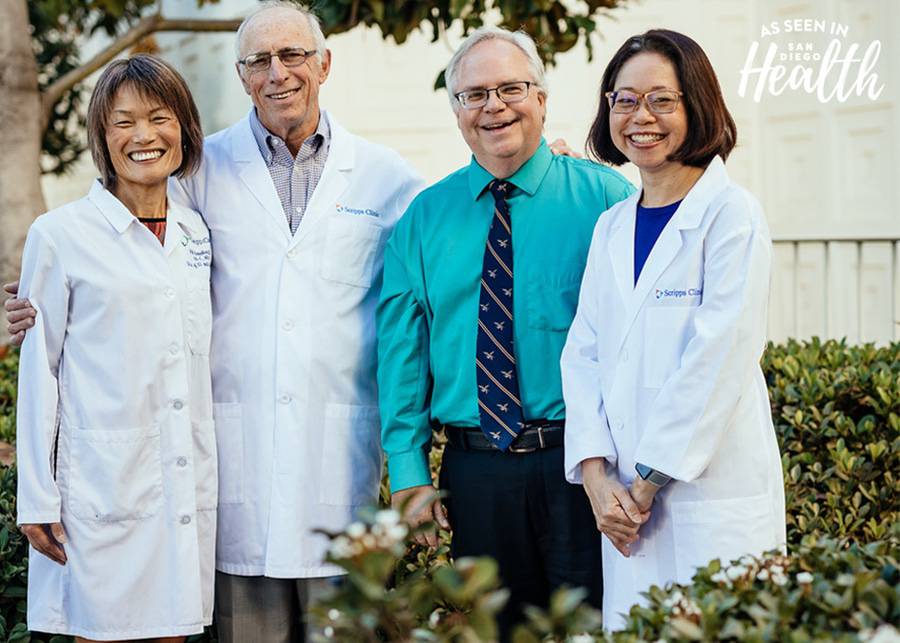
(811, 55)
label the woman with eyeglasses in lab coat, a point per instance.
(668, 423)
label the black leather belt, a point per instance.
(537, 434)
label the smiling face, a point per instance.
(286, 98)
(501, 136)
(143, 138)
(645, 138)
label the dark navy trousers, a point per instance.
(519, 509)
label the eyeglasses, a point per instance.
(290, 57)
(660, 101)
(508, 93)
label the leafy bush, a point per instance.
(836, 410)
(829, 590)
(837, 414)
(9, 361)
(826, 591)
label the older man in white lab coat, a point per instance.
(299, 210)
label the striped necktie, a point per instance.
(499, 404)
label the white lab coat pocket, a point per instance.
(115, 475)
(665, 331)
(352, 245)
(351, 455)
(230, 450)
(725, 529)
(205, 464)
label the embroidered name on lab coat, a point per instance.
(678, 293)
(346, 209)
(199, 253)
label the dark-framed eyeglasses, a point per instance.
(508, 93)
(289, 57)
(659, 101)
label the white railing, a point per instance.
(836, 288)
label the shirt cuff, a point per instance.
(25, 517)
(408, 469)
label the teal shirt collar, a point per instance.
(527, 178)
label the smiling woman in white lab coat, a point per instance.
(115, 440)
(668, 423)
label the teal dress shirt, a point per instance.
(428, 313)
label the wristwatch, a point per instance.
(652, 476)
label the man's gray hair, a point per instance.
(312, 20)
(518, 38)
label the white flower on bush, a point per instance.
(779, 579)
(763, 574)
(736, 572)
(885, 633)
(387, 518)
(581, 638)
(356, 530)
(342, 547)
(804, 578)
(720, 577)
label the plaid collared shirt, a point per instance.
(295, 179)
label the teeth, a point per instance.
(283, 94)
(496, 126)
(646, 138)
(145, 156)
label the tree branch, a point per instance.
(151, 24)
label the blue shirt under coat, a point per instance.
(648, 225)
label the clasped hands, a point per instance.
(619, 511)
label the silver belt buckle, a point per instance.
(540, 432)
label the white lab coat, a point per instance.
(115, 436)
(293, 357)
(666, 373)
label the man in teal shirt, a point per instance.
(457, 348)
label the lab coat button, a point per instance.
(181, 461)
(170, 293)
(185, 520)
(173, 348)
(620, 425)
(292, 253)
(288, 325)
(284, 398)
(177, 405)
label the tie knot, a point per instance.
(500, 189)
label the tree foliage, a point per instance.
(60, 28)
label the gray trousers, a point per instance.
(257, 609)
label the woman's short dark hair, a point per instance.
(154, 79)
(710, 128)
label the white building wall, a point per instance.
(826, 173)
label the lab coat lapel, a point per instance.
(255, 174)
(688, 216)
(621, 246)
(334, 182)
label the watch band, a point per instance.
(652, 476)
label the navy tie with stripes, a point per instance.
(499, 404)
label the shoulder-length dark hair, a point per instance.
(156, 80)
(711, 130)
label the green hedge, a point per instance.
(836, 410)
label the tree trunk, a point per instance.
(21, 198)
